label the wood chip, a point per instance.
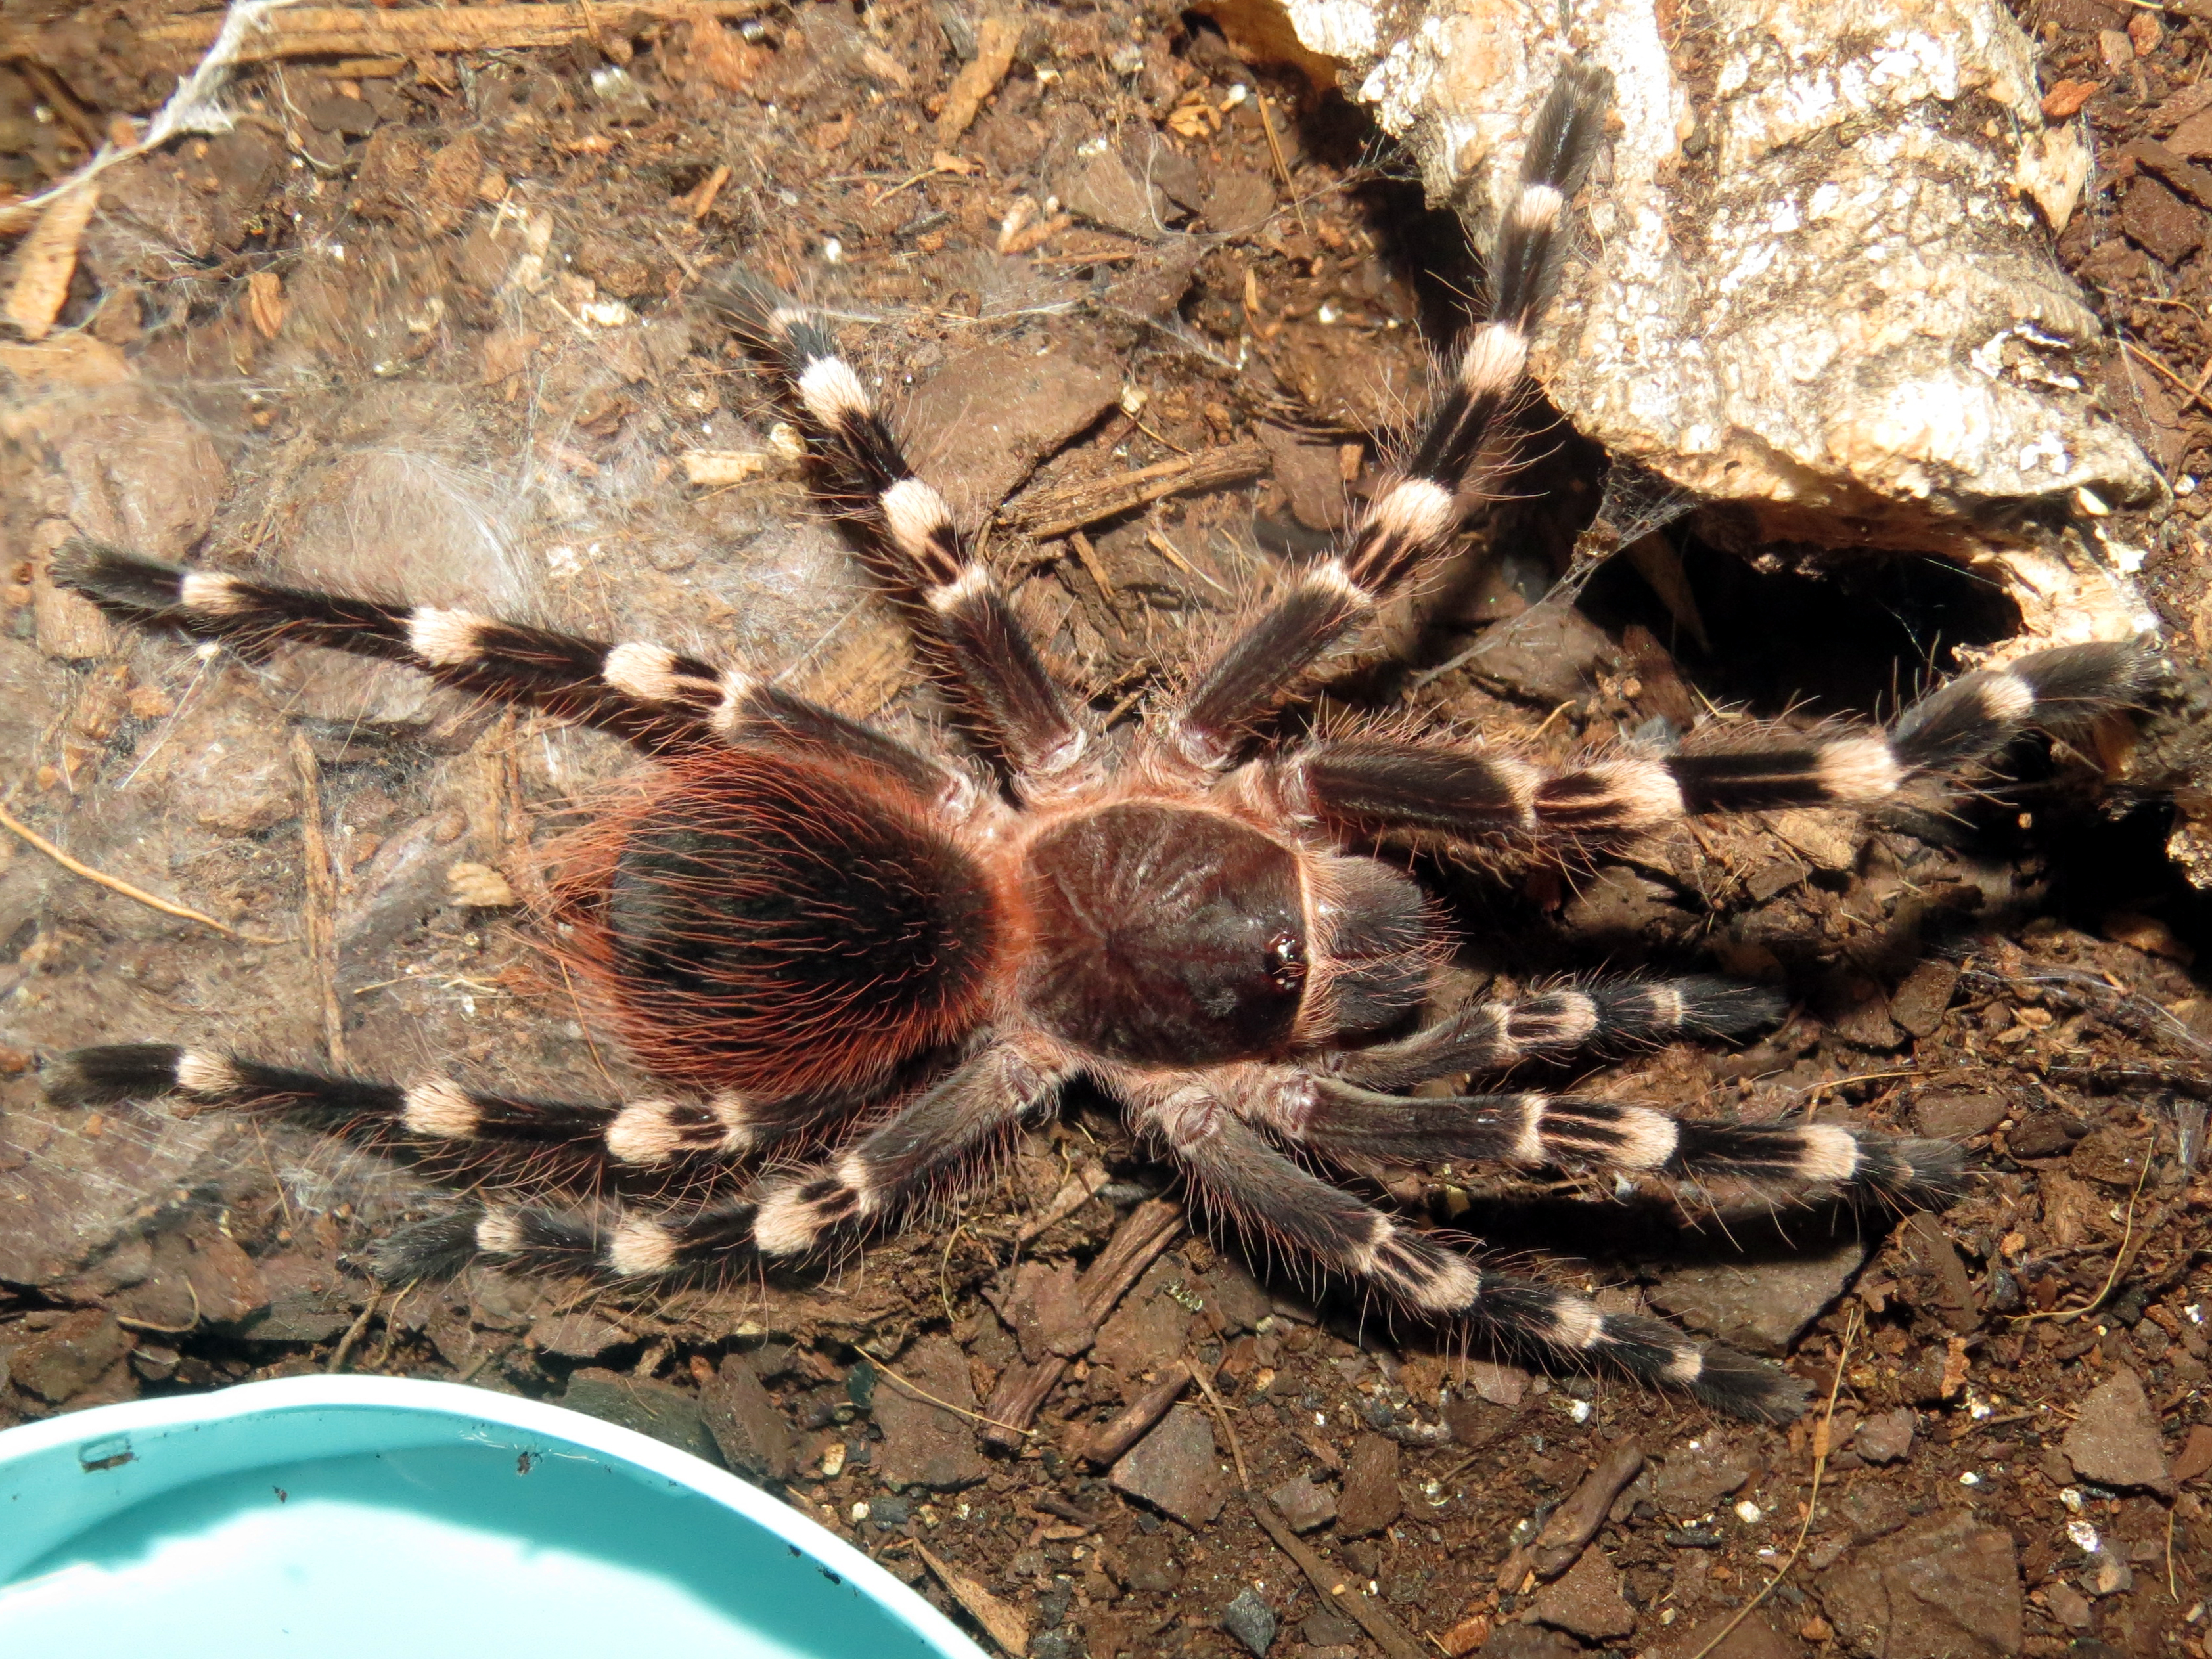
(996, 37)
(1114, 1436)
(318, 915)
(1005, 1625)
(2191, 180)
(1023, 1387)
(1335, 1587)
(722, 468)
(1574, 1523)
(2064, 101)
(48, 261)
(701, 202)
(264, 302)
(1056, 511)
(400, 32)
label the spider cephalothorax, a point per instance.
(814, 934)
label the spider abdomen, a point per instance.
(774, 925)
(1164, 936)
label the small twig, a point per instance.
(1144, 1233)
(1336, 1589)
(1045, 513)
(406, 32)
(1114, 1436)
(1228, 1429)
(1812, 1500)
(149, 1326)
(2193, 394)
(1282, 167)
(2122, 1260)
(1009, 1626)
(318, 916)
(354, 1332)
(9, 821)
(701, 202)
(1167, 551)
(1079, 1189)
(1089, 557)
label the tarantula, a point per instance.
(811, 932)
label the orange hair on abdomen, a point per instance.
(779, 925)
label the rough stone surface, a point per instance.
(2114, 1440)
(1148, 1564)
(924, 1444)
(1238, 201)
(756, 1438)
(1498, 1385)
(229, 768)
(1763, 1306)
(1698, 1473)
(1922, 997)
(1952, 1116)
(1251, 1621)
(1012, 406)
(1885, 1437)
(1712, 360)
(1587, 1599)
(1176, 1469)
(1304, 1503)
(1949, 1589)
(2161, 223)
(1105, 188)
(1370, 1500)
(1310, 475)
(2195, 1457)
(1330, 1629)
(577, 1336)
(1755, 1638)
(1150, 1326)
(668, 1414)
(69, 1355)
(1233, 1299)
(1530, 1641)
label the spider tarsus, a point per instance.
(111, 1074)
(129, 582)
(434, 1249)
(1731, 1381)
(1908, 1174)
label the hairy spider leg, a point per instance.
(653, 697)
(1620, 1011)
(1443, 790)
(652, 1132)
(939, 1139)
(1242, 1174)
(1415, 516)
(1535, 1131)
(991, 654)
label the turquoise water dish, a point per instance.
(368, 1516)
